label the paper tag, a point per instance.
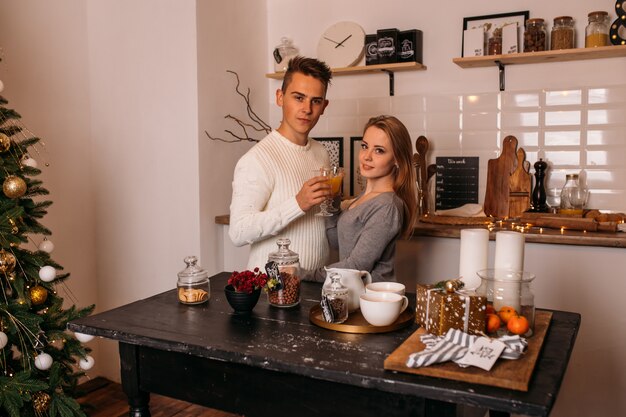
(483, 353)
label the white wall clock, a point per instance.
(341, 45)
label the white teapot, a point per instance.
(354, 280)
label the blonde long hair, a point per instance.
(404, 183)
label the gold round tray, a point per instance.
(356, 322)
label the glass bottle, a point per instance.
(597, 31)
(562, 35)
(535, 38)
(193, 284)
(286, 292)
(283, 53)
(508, 289)
(573, 195)
(335, 300)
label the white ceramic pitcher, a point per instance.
(354, 280)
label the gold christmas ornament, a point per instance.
(14, 228)
(38, 295)
(41, 402)
(7, 262)
(5, 142)
(14, 186)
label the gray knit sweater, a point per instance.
(366, 236)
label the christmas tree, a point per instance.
(40, 362)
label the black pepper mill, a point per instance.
(539, 193)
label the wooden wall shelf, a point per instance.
(578, 54)
(402, 66)
(563, 55)
(389, 69)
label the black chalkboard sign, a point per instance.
(456, 181)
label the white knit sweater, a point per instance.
(264, 207)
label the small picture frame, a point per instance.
(495, 21)
(357, 182)
(334, 146)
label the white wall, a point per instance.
(143, 86)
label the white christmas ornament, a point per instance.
(47, 273)
(83, 338)
(4, 339)
(43, 361)
(29, 162)
(86, 363)
(46, 246)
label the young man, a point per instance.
(277, 184)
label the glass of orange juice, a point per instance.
(335, 178)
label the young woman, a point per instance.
(366, 230)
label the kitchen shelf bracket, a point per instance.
(501, 74)
(391, 81)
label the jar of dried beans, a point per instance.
(334, 300)
(562, 35)
(283, 275)
(535, 38)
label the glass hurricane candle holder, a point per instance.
(510, 295)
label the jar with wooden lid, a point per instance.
(562, 35)
(597, 31)
(535, 36)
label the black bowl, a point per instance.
(241, 302)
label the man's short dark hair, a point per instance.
(307, 66)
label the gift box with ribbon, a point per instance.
(446, 305)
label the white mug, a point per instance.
(386, 286)
(382, 308)
(354, 280)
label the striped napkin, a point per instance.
(454, 345)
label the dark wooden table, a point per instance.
(276, 363)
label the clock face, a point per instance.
(341, 45)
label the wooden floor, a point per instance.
(106, 399)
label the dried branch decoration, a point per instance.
(257, 124)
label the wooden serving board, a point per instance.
(456, 220)
(499, 171)
(519, 186)
(512, 374)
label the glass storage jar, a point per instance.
(286, 292)
(283, 53)
(335, 300)
(494, 44)
(562, 35)
(573, 195)
(193, 284)
(535, 37)
(597, 30)
(510, 294)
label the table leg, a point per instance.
(138, 400)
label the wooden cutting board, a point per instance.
(499, 171)
(512, 374)
(519, 186)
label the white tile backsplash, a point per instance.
(575, 130)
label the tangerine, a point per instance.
(490, 309)
(518, 325)
(506, 313)
(493, 323)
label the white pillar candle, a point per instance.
(509, 256)
(474, 255)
